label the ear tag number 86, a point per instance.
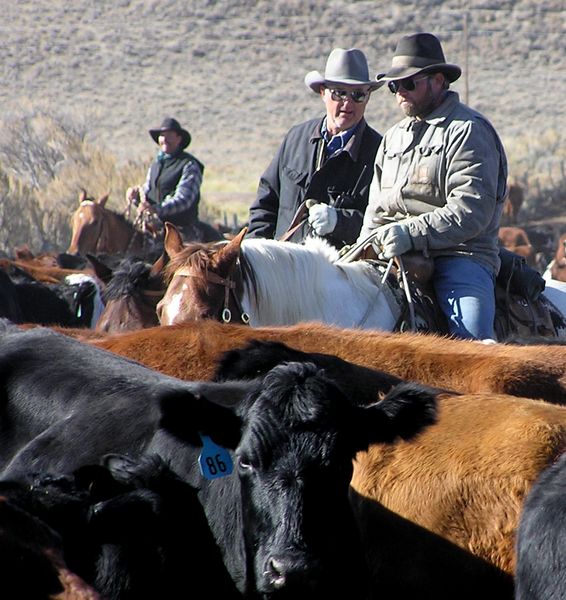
(214, 461)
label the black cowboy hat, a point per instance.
(419, 53)
(171, 124)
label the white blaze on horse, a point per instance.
(268, 282)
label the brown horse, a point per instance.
(132, 291)
(463, 481)
(99, 230)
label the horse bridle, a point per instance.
(229, 285)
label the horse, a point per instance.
(132, 291)
(99, 230)
(267, 282)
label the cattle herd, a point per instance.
(205, 459)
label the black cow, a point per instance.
(74, 302)
(541, 538)
(126, 527)
(9, 300)
(283, 519)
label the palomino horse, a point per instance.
(268, 282)
(99, 230)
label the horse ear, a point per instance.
(158, 266)
(231, 251)
(101, 270)
(82, 196)
(103, 200)
(173, 242)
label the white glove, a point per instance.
(392, 240)
(322, 218)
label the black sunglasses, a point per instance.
(341, 95)
(409, 84)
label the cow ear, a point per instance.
(186, 415)
(404, 412)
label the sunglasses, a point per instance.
(342, 95)
(408, 84)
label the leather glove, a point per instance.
(322, 218)
(392, 240)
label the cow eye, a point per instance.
(244, 464)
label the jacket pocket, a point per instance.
(390, 168)
(297, 177)
(423, 180)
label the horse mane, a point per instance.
(129, 279)
(195, 255)
(281, 269)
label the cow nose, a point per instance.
(275, 573)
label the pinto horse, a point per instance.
(268, 282)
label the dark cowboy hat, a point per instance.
(171, 124)
(419, 53)
(346, 67)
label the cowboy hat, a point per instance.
(419, 53)
(170, 124)
(346, 67)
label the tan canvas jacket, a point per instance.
(445, 177)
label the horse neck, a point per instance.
(293, 283)
(117, 233)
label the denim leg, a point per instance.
(465, 291)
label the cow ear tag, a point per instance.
(214, 461)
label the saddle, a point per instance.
(521, 309)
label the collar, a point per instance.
(352, 142)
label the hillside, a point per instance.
(232, 70)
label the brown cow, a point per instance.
(465, 480)
(513, 203)
(189, 351)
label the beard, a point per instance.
(428, 103)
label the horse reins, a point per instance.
(229, 290)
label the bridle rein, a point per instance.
(229, 285)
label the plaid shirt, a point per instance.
(186, 192)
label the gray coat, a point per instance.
(445, 178)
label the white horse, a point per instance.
(268, 282)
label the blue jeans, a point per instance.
(465, 291)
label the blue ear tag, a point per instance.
(214, 461)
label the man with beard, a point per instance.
(439, 186)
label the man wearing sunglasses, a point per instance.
(439, 186)
(319, 179)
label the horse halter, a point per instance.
(229, 289)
